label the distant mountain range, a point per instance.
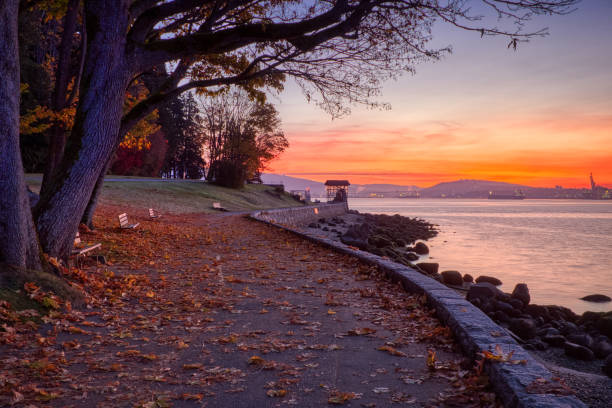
(453, 189)
(482, 188)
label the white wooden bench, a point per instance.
(154, 214)
(124, 223)
(217, 206)
(81, 249)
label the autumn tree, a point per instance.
(242, 136)
(37, 50)
(339, 51)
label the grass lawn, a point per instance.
(183, 196)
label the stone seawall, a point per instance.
(298, 216)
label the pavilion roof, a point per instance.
(337, 183)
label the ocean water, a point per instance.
(562, 249)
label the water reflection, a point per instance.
(561, 248)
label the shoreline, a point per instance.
(573, 346)
(560, 249)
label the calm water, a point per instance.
(561, 248)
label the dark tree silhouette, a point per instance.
(182, 124)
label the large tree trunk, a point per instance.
(105, 77)
(18, 244)
(90, 210)
(57, 133)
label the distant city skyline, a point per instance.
(540, 116)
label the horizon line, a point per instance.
(586, 185)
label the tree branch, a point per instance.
(230, 39)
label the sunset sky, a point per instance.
(540, 116)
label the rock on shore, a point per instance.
(587, 337)
(598, 298)
(383, 235)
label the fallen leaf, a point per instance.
(276, 393)
(361, 331)
(256, 360)
(392, 351)
(340, 398)
(192, 366)
(431, 359)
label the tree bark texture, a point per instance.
(90, 210)
(105, 77)
(57, 133)
(18, 246)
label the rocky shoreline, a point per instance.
(576, 347)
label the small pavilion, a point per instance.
(337, 190)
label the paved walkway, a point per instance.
(226, 312)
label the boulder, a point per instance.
(549, 331)
(581, 339)
(488, 279)
(477, 302)
(452, 278)
(314, 225)
(556, 340)
(602, 348)
(521, 292)
(538, 311)
(590, 317)
(607, 367)
(562, 313)
(411, 256)
(380, 241)
(535, 344)
(578, 351)
(483, 291)
(420, 248)
(468, 278)
(508, 309)
(517, 304)
(500, 316)
(430, 268)
(357, 235)
(597, 298)
(568, 328)
(486, 305)
(524, 328)
(604, 325)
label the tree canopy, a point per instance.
(339, 51)
(242, 136)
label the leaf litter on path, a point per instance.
(213, 309)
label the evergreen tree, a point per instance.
(182, 123)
